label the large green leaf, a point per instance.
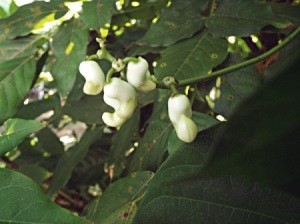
(236, 178)
(191, 58)
(261, 140)
(69, 47)
(97, 13)
(288, 12)
(240, 18)
(234, 88)
(11, 49)
(181, 20)
(88, 109)
(70, 159)
(23, 20)
(122, 141)
(26, 203)
(118, 203)
(153, 146)
(16, 131)
(16, 77)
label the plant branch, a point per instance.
(235, 67)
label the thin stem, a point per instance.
(174, 89)
(92, 57)
(235, 67)
(109, 74)
(104, 54)
(132, 59)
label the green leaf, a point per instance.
(288, 12)
(11, 49)
(234, 174)
(97, 13)
(16, 131)
(88, 109)
(261, 140)
(179, 21)
(70, 159)
(186, 193)
(234, 88)
(2, 13)
(23, 20)
(34, 172)
(48, 143)
(240, 18)
(153, 146)
(34, 109)
(26, 203)
(118, 203)
(69, 47)
(16, 77)
(191, 58)
(122, 141)
(7, 7)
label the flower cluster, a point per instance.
(180, 113)
(118, 94)
(121, 95)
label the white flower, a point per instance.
(180, 113)
(122, 97)
(139, 76)
(94, 77)
(186, 129)
(179, 105)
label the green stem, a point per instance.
(109, 75)
(132, 59)
(92, 57)
(174, 89)
(104, 54)
(235, 67)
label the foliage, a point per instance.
(237, 61)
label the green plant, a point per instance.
(149, 111)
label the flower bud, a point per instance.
(186, 129)
(94, 77)
(179, 105)
(138, 75)
(118, 65)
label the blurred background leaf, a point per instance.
(16, 77)
(69, 48)
(16, 130)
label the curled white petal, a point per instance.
(114, 103)
(119, 89)
(136, 72)
(126, 109)
(186, 129)
(94, 77)
(122, 97)
(112, 119)
(139, 76)
(179, 105)
(147, 86)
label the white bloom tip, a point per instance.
(186, 129)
